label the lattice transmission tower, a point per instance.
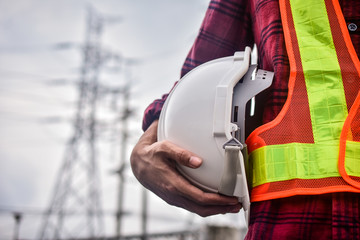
(75, 210)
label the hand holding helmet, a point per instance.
(154, 165)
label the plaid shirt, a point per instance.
(229, 26)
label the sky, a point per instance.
(38, 96)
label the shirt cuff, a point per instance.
(153, 111)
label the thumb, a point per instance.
(182, 156)
(194, 162)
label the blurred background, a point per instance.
(75, 79)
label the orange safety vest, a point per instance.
(313, 145)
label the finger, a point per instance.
(199, 202)
(208, 210)
(187, 190)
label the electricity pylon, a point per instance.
(75, 210)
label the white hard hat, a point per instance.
(205, 114)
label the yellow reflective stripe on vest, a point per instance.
(301, 160)
(321, 69)
(294, 160)
(327, 105)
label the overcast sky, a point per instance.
(36, 111)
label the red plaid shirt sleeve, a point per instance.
(225, 29)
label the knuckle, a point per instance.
(170, 196)
(201, 199)
(182, 156)
(162, 147)
(170, 189)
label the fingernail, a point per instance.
(195, 161)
